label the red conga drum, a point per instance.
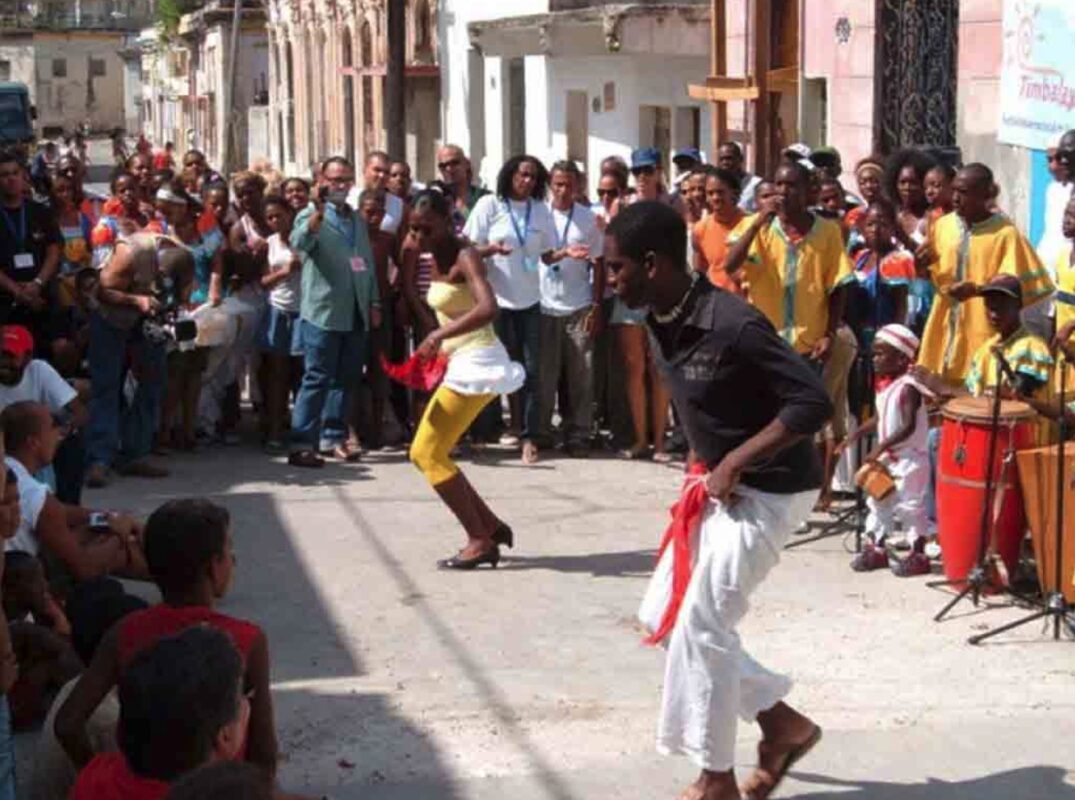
(962, 464)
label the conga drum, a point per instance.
(962, 464)
(1037, 474)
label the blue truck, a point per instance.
(16, 116)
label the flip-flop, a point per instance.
(792, 757)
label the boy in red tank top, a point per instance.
(181, 706)
(189, 552)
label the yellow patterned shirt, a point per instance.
(790, 281)
(955, 330)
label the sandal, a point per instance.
(662, 458)
(305, 458)
(348, 452)
(759, 788)
(635, 453)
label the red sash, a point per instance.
(686, 515)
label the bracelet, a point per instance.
(40, 283)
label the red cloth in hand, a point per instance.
(417, 373)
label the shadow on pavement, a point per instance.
(1026, 783)
(545, 772)
(627, 563)
(361, 740)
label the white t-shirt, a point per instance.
(393, 209)
(567, 286)
(287, 294)
(32, 496)
(514, 277)
(40, 383)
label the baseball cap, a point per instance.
(16, 340)
(825, 156)
(799, 151)
(693, 153)
(1007, 285)
(645, 157)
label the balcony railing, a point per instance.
(69, 20)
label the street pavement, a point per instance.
(395, 681)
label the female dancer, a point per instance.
(479, 370)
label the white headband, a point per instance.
(166, 195)
(901, 337)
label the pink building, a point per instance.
(875, 75)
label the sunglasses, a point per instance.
(608, 192)
(449, 164)
(643, 171)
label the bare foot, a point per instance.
(787, 736)
(530, 453)
(712, 786)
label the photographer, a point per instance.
(141, 287)
(340, 305)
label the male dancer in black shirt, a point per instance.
(749, 405)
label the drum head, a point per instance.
(980, 409)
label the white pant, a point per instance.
(225, 363)
(907, 504)
(709, 679)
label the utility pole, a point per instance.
(394, 79)
(231, 132)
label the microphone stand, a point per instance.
(1055, 606)
(978, 577)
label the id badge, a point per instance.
(24, 261)
(358, 264)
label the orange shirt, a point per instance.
(710, 237)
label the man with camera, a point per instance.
(340, 305)
(83, 543)
(141, 286)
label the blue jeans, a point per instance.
(520, 331)
(7, 752)
(333, 364)
(120, 431)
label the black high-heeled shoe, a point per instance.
(504, 535)
(490, 557)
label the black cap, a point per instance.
(1007, 285)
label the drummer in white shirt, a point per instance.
(571, 317)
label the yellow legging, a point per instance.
(447, 416)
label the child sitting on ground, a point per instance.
(93, 606)
(189, 552)
(181, 705)
(902, 428)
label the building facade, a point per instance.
(187, 77)
(572, 79)
(327, 75)
(67, 52)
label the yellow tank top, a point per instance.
(450, 301)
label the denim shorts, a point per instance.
(280, 332)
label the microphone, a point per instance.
(1005, 367)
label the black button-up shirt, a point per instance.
(730, 375)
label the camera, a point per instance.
(100, 521)
(164, 324)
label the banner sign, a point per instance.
(1037, 79)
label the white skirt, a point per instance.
(484, 370)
